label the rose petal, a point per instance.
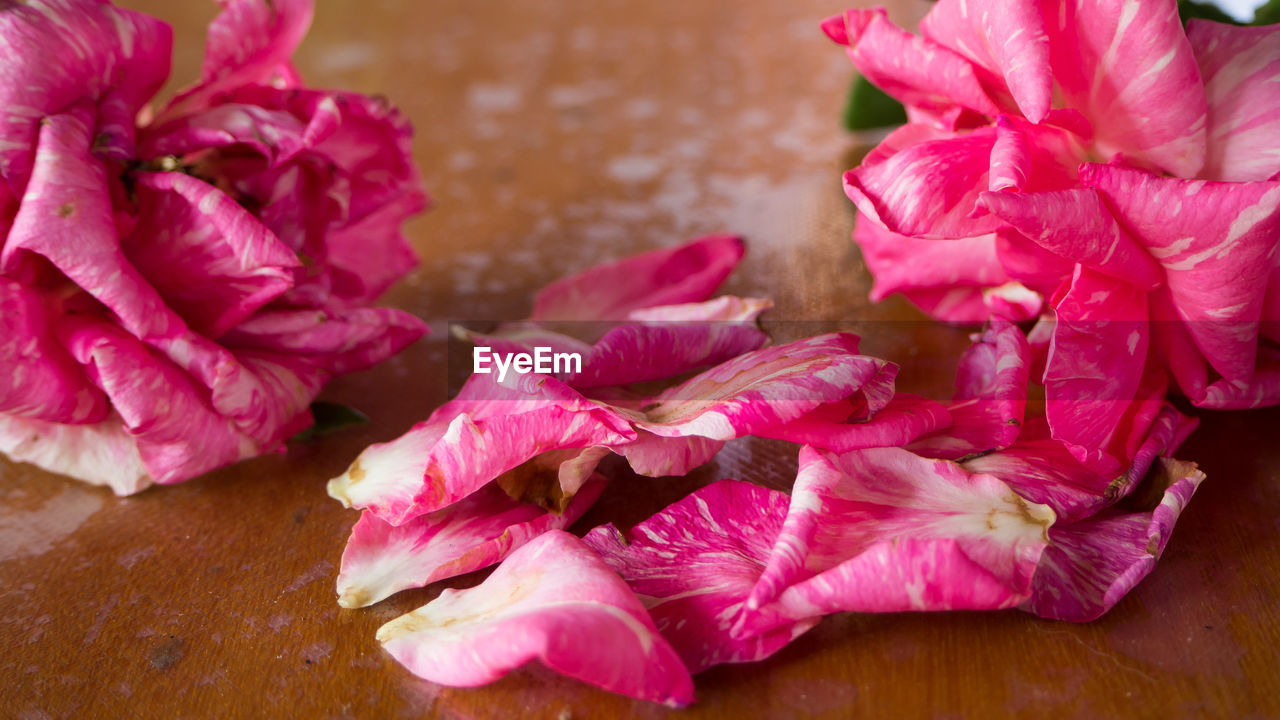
(41, 380)
(726, 308)
(249, 43)
(491, 429)
(914, 70)
(990, 401)
(681, 274)
(1075, 224)
(883, 530)
(1217, 244)
(552, 600)
(654, 456)
(1095, 362)
(953, 169)
(1008, 39)
(1241, 71)
(211, 260)
(765, 388)
(1129, 69)
(905, 418)
(102, 453)
(693, 565)
(339, 341)
(473, 533)
(1089, 565)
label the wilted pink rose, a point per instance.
(176, 292)
(1095, 158)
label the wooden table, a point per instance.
(554, 135)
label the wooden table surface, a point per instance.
(554, 135)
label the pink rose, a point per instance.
(1096, 159)
(176, 292)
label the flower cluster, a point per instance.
(176, 286)
(1093, 162)
(900, 503)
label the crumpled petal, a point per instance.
(249, 43)
(1095, 362)
(990, 401)
(76, 51)
(1217, 244)
(1007, 39)
(1075, 224)
(1129, 69)
(41, 380)
(1090, 564)
(681, 274)
(339, 341)
(726, 308)
(1043, 470)
(489, 430)
(693, 565)
(552, 600)
(883, 530)
(845, 426)
(473, 533)
(765, 388)
(1240, 67)
(212, 262)
(914, 70)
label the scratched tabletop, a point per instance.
(554, 135)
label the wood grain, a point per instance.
(554, 135)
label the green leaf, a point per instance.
(1192, 9)
(329, 418)
(869, 107)
(1268, 14)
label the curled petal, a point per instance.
(211, 260)
(339, 341)
(552, 600)
(1076, 224)
(765, 388)
(102, 453)
(1127, 66)
(1217, 244)
(915, 70)
(1095, 362)
(681, 274)
(990, 401)
(249, 43)
(1007, 39)
(1090, 564)
(883, 530)
(76, 52)
(693, 565)
(1241, 71)
(905, 418)
(929, 189)
(473, 533)
(41, 380)
(490, 430)
(654, 456)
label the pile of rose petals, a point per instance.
(1092, 162)
(900, 503)
(176, 286)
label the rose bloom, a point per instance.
(174, 293)
(1094, 161)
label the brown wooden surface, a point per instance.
(554, 135)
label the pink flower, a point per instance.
(176, 292)
(1098, 157)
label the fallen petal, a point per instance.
(553, 600)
